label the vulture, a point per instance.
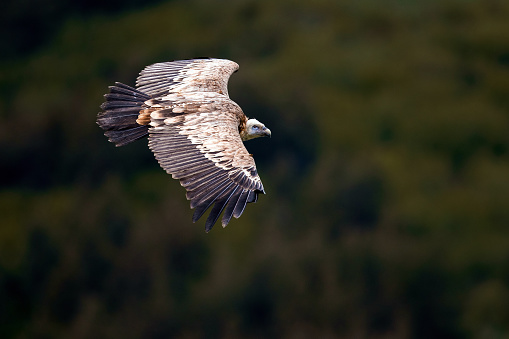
(194, 129)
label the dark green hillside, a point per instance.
(387, 174)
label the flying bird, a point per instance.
(194, 129)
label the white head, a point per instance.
(254, 129)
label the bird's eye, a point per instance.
(255, 128)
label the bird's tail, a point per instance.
(120, 112)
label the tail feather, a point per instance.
(118, 96)
(112, 104)
(124, 137)
(121, 109)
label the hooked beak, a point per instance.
(266, 132)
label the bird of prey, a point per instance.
(194, 129)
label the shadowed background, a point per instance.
(387, 213)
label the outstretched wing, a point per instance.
(198, 142)
(186, 76)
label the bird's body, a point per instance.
(195, 131)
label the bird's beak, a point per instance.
(266, 132)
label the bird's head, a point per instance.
(254, 129)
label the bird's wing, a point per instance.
(186, 76)
(199, 144)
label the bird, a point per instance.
(194, 129)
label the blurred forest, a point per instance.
(387, 175)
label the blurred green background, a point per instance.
(387, 213)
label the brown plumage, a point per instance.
(195, 131)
